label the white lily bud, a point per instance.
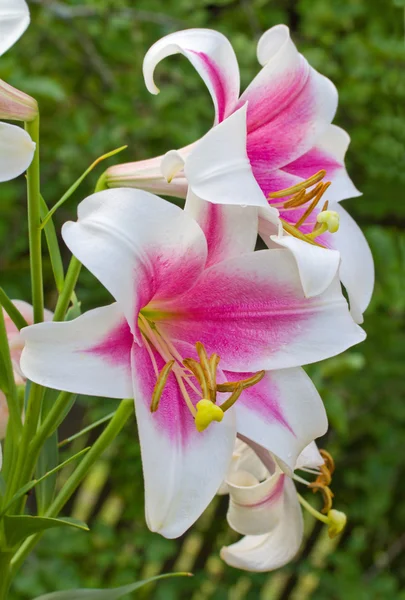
(15, 105)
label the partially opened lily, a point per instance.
(205, 333)
(264, 506)
(285, 138)
(16, 147)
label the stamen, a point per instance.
(149, 351)
(160, 385)
(313, 204)
(230, 386)
(299, 186)
(232, 398)
(206, 367)
(214, 362)
(198, 373)
(323, 481)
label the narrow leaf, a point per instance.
(86, 429)
(18, 527)
(53, 247)
(31, 484)
(111, 594)
(12, 311)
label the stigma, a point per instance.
(300, 195)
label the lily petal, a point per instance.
(255, 507)
(256, 316)
(283, 413)
(138, 245)
(211, 55)
(328, 154)
(183, 468)
(16, 151)
(218, 169)
(14, 20)
(317, 266)
(357, 266)
(89, 355)
(310, 457)
(290, 104)
(272, 550)
(229, 230)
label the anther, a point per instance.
(159, 385)
(199, 374)
(299, 186)
(230, 386)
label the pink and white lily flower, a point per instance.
(16, 147)
(284, 139)
(199, 332)
(264, 507)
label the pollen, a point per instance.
(207, 412)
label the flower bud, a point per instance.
(15, 105)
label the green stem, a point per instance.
(64, 299)
(29, 430)
(11, 392)
(5, 580)
(121, 416)
(50, 423)
(34, 225)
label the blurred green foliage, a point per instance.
(82, 60)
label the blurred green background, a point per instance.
(82, 60)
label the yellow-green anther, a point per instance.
(232, 398)
(160, 385)
(197, 370)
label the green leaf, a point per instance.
(53, 248)
(3, 486)
(31, 484)
(12, 311)
(18, 527)
(111, 594)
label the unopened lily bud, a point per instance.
(15, 105)
(207, 412)
(336, 522)
(330, 218)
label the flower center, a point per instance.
(301, 195)
(198, 376)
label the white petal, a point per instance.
(317, 266)
(283, 413)
(16, 151)
(183, 468)
(211, 55)
(14, 20)
(310, 457)
(218, 169)
(172, 163)
(255, 507)
(89, 355)
(230, 230)
(272, 550)
(357, 266)
(138, 245)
